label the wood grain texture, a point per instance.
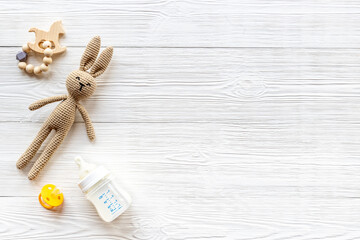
(200, 85)
(182, 187)
(204, 23)
(232, 119)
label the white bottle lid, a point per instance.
(89, 174)
(93, 177)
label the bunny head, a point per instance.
(80, 83)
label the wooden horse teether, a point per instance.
(46, 43)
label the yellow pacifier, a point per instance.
(51, 196)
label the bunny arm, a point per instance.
(89, 127)
(40, 103)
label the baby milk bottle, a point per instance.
(99, 186)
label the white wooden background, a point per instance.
(231, 119)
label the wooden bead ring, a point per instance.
(46, 43)
(29, 68)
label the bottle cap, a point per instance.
(89, 173)
(92, 178)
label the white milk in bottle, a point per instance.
(99, 186)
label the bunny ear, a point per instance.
(90, 54)
(102, 62)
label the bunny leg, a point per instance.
(34, 147)
(46, 155)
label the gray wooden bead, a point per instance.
(21, 56)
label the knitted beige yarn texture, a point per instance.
(80, 84)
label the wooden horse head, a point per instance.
(52, 35)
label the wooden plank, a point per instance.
(237, 154)
(259, 23)
(195, 85)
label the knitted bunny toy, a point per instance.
(80, 84)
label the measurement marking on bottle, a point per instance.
(112, 204)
